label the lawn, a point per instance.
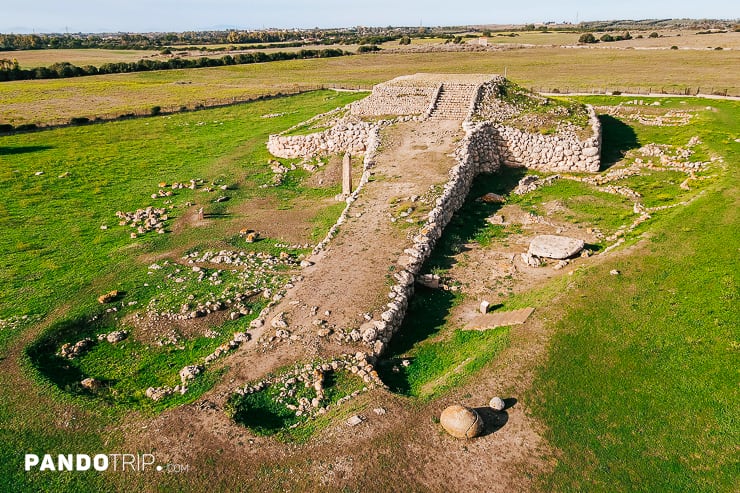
(640, 389)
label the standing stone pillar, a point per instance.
(347, 175)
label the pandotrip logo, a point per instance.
(100, 462)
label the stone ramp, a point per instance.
(348, 281)
(454, 101)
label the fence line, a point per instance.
(202, 104)
(643, 91)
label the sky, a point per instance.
(44, 16)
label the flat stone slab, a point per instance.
(500, 319)
(557, 247)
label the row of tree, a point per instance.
(9, 42)
(10, 70)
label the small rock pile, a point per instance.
(144, 220)
(72, 351)
(530, 183)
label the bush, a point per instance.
(718, 48)
(79, 120)
(405, 40)
(26, 126)
(607, 38)
(367, 48)
(654, 35)
(587, 38)
(6, 127)
(155, 110)
(674, 47)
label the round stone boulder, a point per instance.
(497, 404)
(461, 422)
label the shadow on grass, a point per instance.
(259, 413)
(9, 151)
(470, 220)
(43, 356)
(428, 308)
(617, 139)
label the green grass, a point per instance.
(57, 260)
(60, 247)
(640, 392)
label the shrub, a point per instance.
(674, 47)
(367, 48)
(405, 40)
(718, 48)
(26, 126)
(606, 38)
(654, 35)
(79, 120)
(587, 38)
(6, 127)
(155, 110)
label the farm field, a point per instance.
(545, 69)
(44, 58)
(622, 379)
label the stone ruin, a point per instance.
(467, 98)
(488, 144)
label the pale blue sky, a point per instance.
(181, 15)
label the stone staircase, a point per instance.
(453, 102)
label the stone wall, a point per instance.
(348, 135)
(387, 99)
(477, 153)
(560, 152)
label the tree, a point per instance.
(587, 38)
(405, 40)
(606, 38)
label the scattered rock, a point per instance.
(157, 393)
(492, 198)
(497, 404)
(556, 247)
(108, 297)
(614, 272)
(430, 281)
(496, 219)
(354, 420)
(91, 384)
(461, 422)
(190, 372)
(379, 411)
(531, 260)
(116, 336)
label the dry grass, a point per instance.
(44, 58)
(566, 69)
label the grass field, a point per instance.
(640, 386)
(542, 68)
(654, 408)
(57, 259)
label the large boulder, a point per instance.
(461, 422)
(557, 247)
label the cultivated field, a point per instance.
(545, 69)
(620, 381)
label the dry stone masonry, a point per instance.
(488, 144)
